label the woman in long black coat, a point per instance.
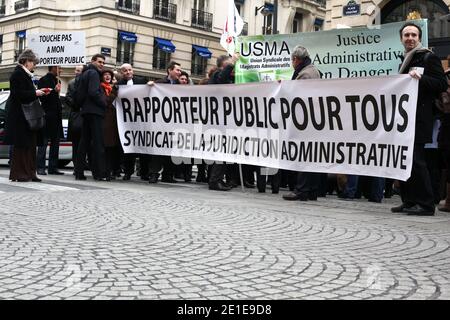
(18, 133)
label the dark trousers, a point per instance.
(158, 163)
(217, 173)
(433, 161)
(53, 154)
(307, 183)
(91, 139)
(129, 162)
(261, 179)
(112, 163)
(417, 189)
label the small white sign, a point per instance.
(59, 49)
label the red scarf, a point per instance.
(107, 88)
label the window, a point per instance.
(21, 5)
(433, 10)
(162, 50)
(21, 40)
(2, 7)
(131, 6)
(164, 10)
(200, 5)
(199, 60)
(125, 47)
(1, 47)
(268, 20)
(297, 23)
(318, 24)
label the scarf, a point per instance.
(306, 62)
(409, 55)
(107, 88)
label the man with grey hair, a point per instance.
(307, 186)
(129, 160)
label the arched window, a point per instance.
(437, 13)
(433, 10)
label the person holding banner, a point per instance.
(164, 162)
(307, 186)
(128, 78)
(110, 130)
(223, 75)
(53, 130)
(421, 64)
(444, 136)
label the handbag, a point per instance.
(34, 114)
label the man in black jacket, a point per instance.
(75, 120)
(159, 162)
(93, 109)
(224, 75)
(53, 122)
(128, 78)
(423, 65)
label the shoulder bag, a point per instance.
(34, 114)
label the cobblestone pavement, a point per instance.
(65, 239)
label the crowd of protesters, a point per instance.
(93, 131)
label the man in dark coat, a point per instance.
(159, 162)
(128, 78)
(423, 65)
(93, 109)
(75, 120)
(53, 130)
(223, 75)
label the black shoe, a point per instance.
(36, 179)
(169, 180)
(400, 208)
(294, 196)
(145, 178)
(126, 177)
(201, 178)
(153, 179)
(80, 177)
(418, 211)
(56, 172)
(232, 184)
(41, 172)
(219, 186)
(248, 185)
(312, 196)
(275, 191)
(187, 179)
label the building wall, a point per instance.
(370, 10)
(100, 20)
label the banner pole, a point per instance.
(240, 175)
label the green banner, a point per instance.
(339, 53)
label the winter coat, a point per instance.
(17, 132)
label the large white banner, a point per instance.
(359, 126)
(59, 49)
